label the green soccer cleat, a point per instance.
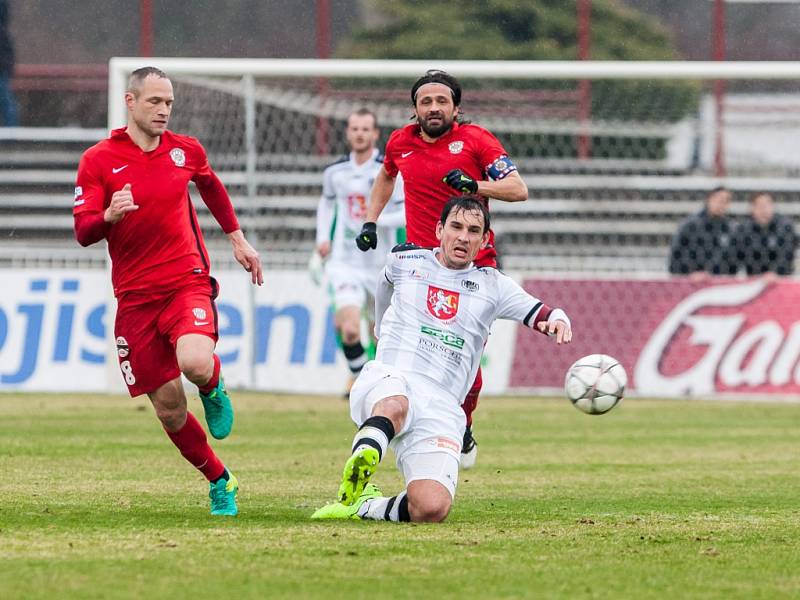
(219, 411)
(223, 496)
(357, 471)
(339, 511)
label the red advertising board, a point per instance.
(673, 337)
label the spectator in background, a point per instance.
(704, 245)
(8, 106)
(765, 241)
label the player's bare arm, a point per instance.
(247, 256)
(379, 197)
(121, 204)
(512, 188)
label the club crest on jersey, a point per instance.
(442, 304)
(199, 313)
(122, 347)
(178, 157)
(456, 147)
(357, 206)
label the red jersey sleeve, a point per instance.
(389, 164)
(89, 205)
(490, 148)
(213, 192)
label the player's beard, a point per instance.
(438, 130)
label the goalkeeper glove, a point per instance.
(458, 180)
(368, 238)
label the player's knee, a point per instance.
(351, 333)
(197, 369)
(429, 509)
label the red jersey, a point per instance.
(423, 165)
(160, 245)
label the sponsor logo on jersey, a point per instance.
(446, 337)
(417, 274)
(450, 355)
(470, 286)
(407, 256)
(442, 304)
(122, 347)
(178, 157)
(116, 170)
(404, 154)
(199, 313)
(455, 147)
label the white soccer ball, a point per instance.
(596, 383)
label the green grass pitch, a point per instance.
(657, 499)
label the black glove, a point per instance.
(368, 238)
(461, 182)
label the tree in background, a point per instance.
(536, 30)
(506, 30)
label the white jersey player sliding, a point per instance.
(433, 314)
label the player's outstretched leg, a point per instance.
(369, 445)
(217, 404)
(370, 505)
(337, 510)
(222, 493)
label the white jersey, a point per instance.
(438, 319)
(342, 209)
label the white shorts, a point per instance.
(429, 444)
(350, 286)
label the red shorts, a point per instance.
(148, 326)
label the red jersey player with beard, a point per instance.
(132, 191)
(436, 155)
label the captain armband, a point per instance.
(500, 168)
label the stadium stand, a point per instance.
(571, 224)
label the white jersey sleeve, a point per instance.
(383, 297)
(326, 209)
(514, 303)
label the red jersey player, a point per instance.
(132, 191)
(436, 155)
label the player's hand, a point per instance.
(247, 256)
(460, 181)
(368, 238)
(324, 249)
(121, 205)
(558, 328)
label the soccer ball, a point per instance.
(595, 384)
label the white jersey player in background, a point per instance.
(434, 309)
(350, 273)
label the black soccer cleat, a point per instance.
(469, 449)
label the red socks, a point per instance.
(192, 442)
(471, 401)
(212, 383)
